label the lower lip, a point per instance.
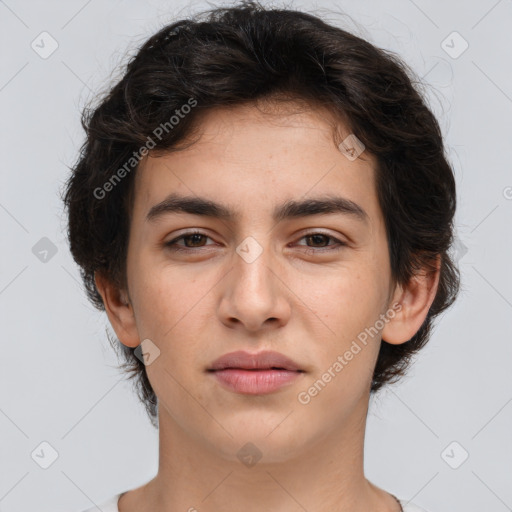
(255, 382)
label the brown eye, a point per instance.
(191, 241)
(319, 243)
(195, 240)
(318, 238)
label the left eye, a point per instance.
(317, 238)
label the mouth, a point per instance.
(255, 382)
(255, 374)
(253, 369)
(265, 360)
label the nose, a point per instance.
(254, 294)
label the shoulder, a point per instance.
(411, 507)
(109, 505)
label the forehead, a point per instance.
(249, 157)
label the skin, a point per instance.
(199, 305)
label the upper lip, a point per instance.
(264, 360)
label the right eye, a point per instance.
(194, 237)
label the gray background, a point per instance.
(59, 381)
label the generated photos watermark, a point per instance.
(158, 132)
(304, 397)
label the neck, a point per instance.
(325, 475)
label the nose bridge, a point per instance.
(254, 294)
(253, 265)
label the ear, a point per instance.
(415, 299)
(119, 310)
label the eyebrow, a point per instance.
(194, 205)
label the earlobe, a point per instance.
(119, 310)
(415, 299)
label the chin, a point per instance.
(267, 439)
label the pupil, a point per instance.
(194, 238)
(316, 238)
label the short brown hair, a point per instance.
(234, 55)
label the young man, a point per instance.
(264, 210)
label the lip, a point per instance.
(255, 374)
(264, 360)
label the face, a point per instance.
(278, 273)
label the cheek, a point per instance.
(348, 296)
(171, 310)
(160, 303)
(153, 296)
(349, 305)
(348, 302)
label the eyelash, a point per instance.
(339, 244)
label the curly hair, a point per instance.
(236, 55)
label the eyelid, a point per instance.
(317, 232)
